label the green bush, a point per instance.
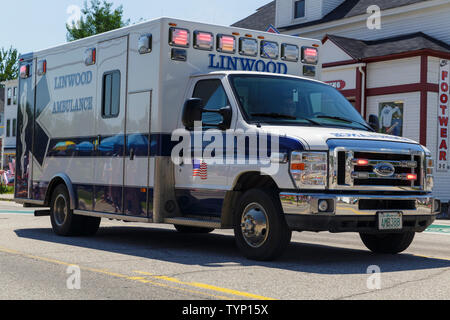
(6, 189)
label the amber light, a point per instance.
(226, 43)
(298, 166)
(411, 176)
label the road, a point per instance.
(139, 261)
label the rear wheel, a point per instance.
(64, 222)
(188, 229)
(391, 243)
(260, 228)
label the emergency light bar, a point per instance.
(226, 44)
(25, 71)
(289, 52)
(90, 56)
(269, 50)
(42, 67)
(248, 47)
(310, 55)
(145, 44)
(179, 37)
(203, 40)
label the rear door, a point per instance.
(112, 56)
(25, 121)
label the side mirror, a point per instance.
(227, 115)
(374, 122)
(192, 112)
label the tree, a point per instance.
(97, 18)
(9, 67)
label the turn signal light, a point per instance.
(411, 176)
(298, 166)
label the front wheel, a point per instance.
(260, 228)
(390, 243)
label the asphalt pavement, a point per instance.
(131, 261)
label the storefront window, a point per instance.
(391, 118)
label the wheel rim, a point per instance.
(254, 225)
(60, 209)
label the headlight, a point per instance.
(309, 169)
(429, 174)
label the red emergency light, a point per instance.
(310, 55)
(362, 162)
(24, 71)
(179, 37)
(226, 44)
(203, 40)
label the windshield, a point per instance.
(288, 101)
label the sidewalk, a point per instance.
(7, 197)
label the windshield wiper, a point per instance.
(283, 116)
(346, 120)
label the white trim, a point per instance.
(343, 67)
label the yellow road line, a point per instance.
(113, 274)
(206, 286)
(437, 258)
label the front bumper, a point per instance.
(355, 213)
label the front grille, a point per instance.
(363, 169)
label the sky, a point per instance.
(33, 25)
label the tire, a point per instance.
(391, 243)
(64, 222)
(260, 229)
(187, 229)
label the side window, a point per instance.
(111, 94)
(9, 96)
(214, 98)
(15, 95)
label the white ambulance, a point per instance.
(208, 127)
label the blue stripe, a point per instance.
(138, 201)
(161, 145)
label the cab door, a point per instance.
(112, 56)
(201, 184)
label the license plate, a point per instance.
(390, 220)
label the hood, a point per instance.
(315, 138)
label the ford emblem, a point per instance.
(384, 170)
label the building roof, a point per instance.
(349, 8)
(362, 49)
(261, 20)
(352, 8)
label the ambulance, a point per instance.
(208, 127)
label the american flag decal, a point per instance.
(200, 169)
